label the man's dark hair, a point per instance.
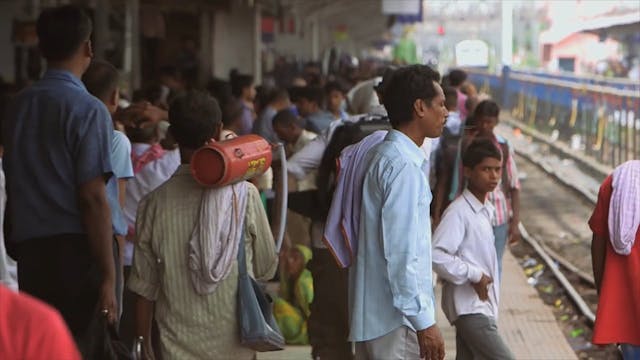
(457, 77)
(194, 117)
(407, 85)
(450, 97)
(445, 81)
(220, 89)
(142, 135)
(479, 150)
(169, 71)
(239, 82)
(486, 108)
(61, 31)
(231, 111)
(152, 93)
(312, 94)
(386, 79)
(286, 118)
(274, 95)
(334, 86)
(470, 104)
(343, 136)
(101, 79)
(294, 92)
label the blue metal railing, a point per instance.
(599, 117)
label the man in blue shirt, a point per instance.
(309, 104)
(391, 300)
(57, 161)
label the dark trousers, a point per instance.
(477, 338)
(127, 321)
(61, 271)
(329, 321)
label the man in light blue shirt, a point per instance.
(101, 80)
(391, 300)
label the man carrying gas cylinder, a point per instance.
(185, 260)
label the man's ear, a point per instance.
(419, 107)
(467, 171)
(88, 49)
(115, 98)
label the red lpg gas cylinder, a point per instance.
(230, 161)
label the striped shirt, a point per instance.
(193, 326)
(500, 200)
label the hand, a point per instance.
(514, 232)
(431, 343)
(148, 350)
(481, 287)
(107, 301)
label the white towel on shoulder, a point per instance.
(214, 242)
(624, 207)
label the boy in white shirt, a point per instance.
(464, 256)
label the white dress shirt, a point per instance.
(463, 250)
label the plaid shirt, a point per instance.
(500, 200)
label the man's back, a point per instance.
(57, 137)
(161, 271)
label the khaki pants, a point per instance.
(400, 344)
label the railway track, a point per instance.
(560, 267)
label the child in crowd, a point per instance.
(231, 119)
(291, 308)
(243, 89)
(336, 97)
(505, 198)
(101, 80)
(464, 256)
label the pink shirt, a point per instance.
(462, 99)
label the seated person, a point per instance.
(291, 308)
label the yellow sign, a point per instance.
(256, 166)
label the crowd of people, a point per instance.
(390, 181)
